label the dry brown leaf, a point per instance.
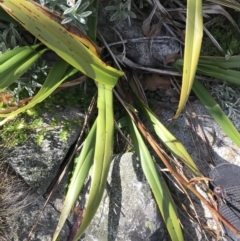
(170, 58)
(156, 81)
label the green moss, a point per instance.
(18, 131)
(13, 134)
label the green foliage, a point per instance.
(17, 132)
(227, 96)
(121, 10)
(14, 133)
(9, 37)
(100, 152)
(75, 12)
(225, 34)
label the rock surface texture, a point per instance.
(139, 48)
(207, 145)
(190, 129)
(38, 165)
(128, 211)
(26, 218)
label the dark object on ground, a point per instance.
(226, 186)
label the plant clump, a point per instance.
(95, 156)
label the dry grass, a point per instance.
(12, 200)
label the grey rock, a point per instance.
(217, 148)
(142, 50)
(39, 164)
(26, 218)
(187, 128)
(128, 211)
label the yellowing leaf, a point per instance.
(72, 29)
(76, 50)
(193, 41)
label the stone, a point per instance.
(142, 50)
(190, 128)
(128, 211)
(26, 218)
(39, 164)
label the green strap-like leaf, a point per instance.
(101, 163)
(16, 65)
(77, 50)
(216, 67)
(102, 155)
(221, 62)
(193, 41)
(11, 53)
(83, 163)
(216, 112)
(169, 140)
(55, 77)
(229, 75)
(213, 108)
(159, 188)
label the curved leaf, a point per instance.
(55, 77)
(102, 155)
(229, 75)
(83, 163)
(221, 62)
(216, 67)
(14, 66)
(75, 48)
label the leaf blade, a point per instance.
(55, 77)
(159, 188)
(169, 140)
(77, 50)
(193, 40)
(216, 112)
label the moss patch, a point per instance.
(18, 131)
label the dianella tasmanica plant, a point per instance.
(79, 52)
